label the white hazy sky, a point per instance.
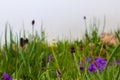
(60, 17)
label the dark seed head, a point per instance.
(33, 22)
(72, 49)
(84, 17)
(26, 41)
(21, 42)
(81, 47)
(58, 72)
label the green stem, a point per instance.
(75, 59)
(112, 54)
(57, 65)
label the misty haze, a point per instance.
(60, 18)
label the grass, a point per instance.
(40, 60)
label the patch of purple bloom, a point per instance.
(49, 57)
(118, 61)
(81, 67)
(98, 64)
(6, 76)
(81, 63)
(88, 58)
(115, 62)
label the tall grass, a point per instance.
(40, 60)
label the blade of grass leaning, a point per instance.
(112, 54)
(108, 61)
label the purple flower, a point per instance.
(58, 72)
(6, 76)
(98, 63)
(111, 63)
(81, 63)
(81, 67)
(72, 49)
(115, 62)
(92, 67)
(88, 58)
(118, 61)
(49, 57)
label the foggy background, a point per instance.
(63, 18)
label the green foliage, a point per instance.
(31, 61)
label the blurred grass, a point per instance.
(31, 62)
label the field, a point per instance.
(94, 57)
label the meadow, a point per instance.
(94, 57)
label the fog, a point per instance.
(60, 18)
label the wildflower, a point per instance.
(88, 58)
(98, 63)
(92, 67)
(111, 63)
(6, 76)
(72, 49)
(33, 22)
(81, 63)
(118, 61)
(49, 57)
(114, 62)
(58, 72)
(81, 67)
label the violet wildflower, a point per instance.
(88, 58)
(81, 63)
(92, 67)
(81, 67)
(49, 57)
(118, 61)
(115, 62)
(98, 63)
(6, 76)
(111, 63)
(58, 72)
(72, 49)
